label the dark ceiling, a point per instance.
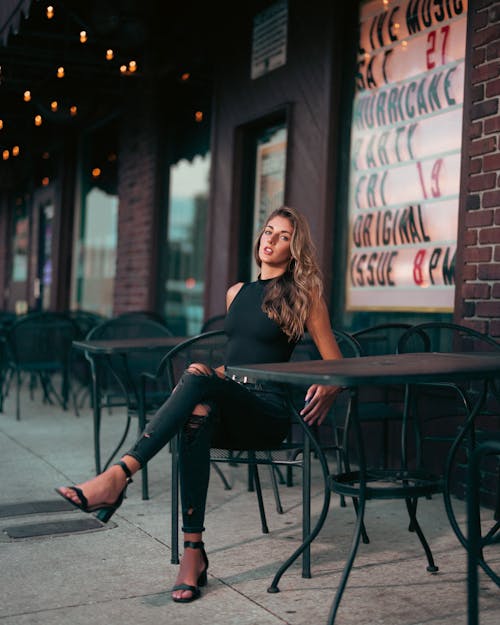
(164, 39)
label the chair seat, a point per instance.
(387, 483)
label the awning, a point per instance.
(11, 13)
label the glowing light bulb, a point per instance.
(38, 120)
(53, 106)
(60, 72)
(1, 124)
(198, 116)
(123, 69)
(132, 67)
(5, 155)
(109, 54)
(83, 36)
(27, 96)
(15, 150)
(96, 172)
(185, 76)
(50, 12)
(45, 181)
(73, 110)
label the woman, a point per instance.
(265, 319)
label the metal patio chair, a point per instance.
(39, 345)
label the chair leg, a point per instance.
(350, 561)
(411, 505)
(174, 559)
(18, 395)
(217, 469)
(260, 500)
(274, 484)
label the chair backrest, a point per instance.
(85, 320)
(381, 338)
(150, 315)
(136, 363)
(41, 340)
(208, 348)
(213, 323)
(306, 348)
(442, 336)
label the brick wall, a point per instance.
(135, 282)
(480, 286)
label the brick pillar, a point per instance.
(138, 191)
(478, 284)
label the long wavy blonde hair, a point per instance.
(288, 298)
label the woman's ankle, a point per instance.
(132, 463)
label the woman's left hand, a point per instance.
(318, 401)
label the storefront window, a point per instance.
(188, 204)
(405, 156)
(20, 245)
(96, 233)
(96, 253)
(270, 167)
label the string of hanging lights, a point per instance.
(75, 70)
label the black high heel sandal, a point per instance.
(202, 578)
(104, 511)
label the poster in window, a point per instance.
(405, 155)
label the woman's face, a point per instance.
(274, 247)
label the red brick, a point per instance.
(478, 56)
(485, 108)
(497, 216)
(478, 254)
(492, 124)
(493, 51)
(482, 182)
(469, 272)
(481, 4)
(479, 218)
(496, 290)
(470, 237)
(476, 165)
(494, 327)
(491, 162)
(487, 35)
(496, 255)
(489, 272)
(483, 146)
(475, 129)
(485, 72)
(494, 13)
(491, 199)
(467, 309)
(489, 235)
(493, 87)
(488, 309)
(476, 291)
(480, 19)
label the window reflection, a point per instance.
(189, 187)
(96, 252)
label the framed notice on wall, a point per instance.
(405, 153)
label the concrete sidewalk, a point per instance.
(121, 572)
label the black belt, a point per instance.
(254, 383)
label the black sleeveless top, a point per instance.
(253, 338)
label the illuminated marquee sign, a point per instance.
(405, 155)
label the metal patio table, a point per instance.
(405, 369)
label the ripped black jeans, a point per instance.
(239, 416)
